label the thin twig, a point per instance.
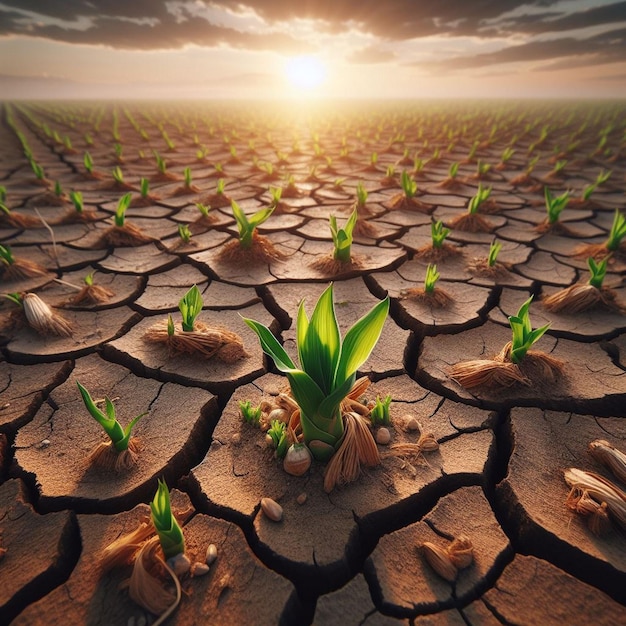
(52, 237)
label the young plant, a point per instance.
(161, 164)
(494, 250)
(58, 190)
(379, 413)
(617, 233)
(453, 170)
(119, 149)
(342, 237)
(507, 154)
(118, 175)
(589, 189)
(3, 193)
(122, 206)
(119, 436)
(187, 177)
(361, 194)
(432, 276)
(523, 334)
(328, 367)
(76, 197)
(6, 256)
(391, 171)
(190, 306)
(144, 187)
(184, 233)
(247, 225)
(203, 208)
(37, 169)
(409, 186)
(555, 204)
(481, 195)
(597, 271)
(438, 233)
(278, 434)
(220, 186)
(276, 193)
(167, 527)
(252, 414)
(88, 163)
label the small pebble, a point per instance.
(301, 499)
(211, 554)
(235, 439)
(43, 444)
(272, 509)
(142, 620)
(383, 436)
(180, 564)
(199, 569)
(411, 423)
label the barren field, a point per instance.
(111, 213)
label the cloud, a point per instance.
(371, 55)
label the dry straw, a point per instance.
(612, 458)
(582, 297)
(43, 319)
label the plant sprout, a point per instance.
(118, 148)
(559, 166)
(58, 190)
(6, 256)
(482, 168)
(523, 334)
(203, 208)
(190, 306)
(276, 193)
(507, 154)
(438, 233)
(122, 206)
(160, 161)
(374, 158)
(361, 195)
(328, 367)
(144, 187)
(119, 436)
(118, 175)
(247, 225)
(16, 298)
(391, 171)
(589, 189)
(168, 529)
(3, 193)
(342, 237)
(187, 176)
(453, 170)
(37, 169)
(555, 204)
(184, 233)
(221, 185)
(252, 414)
(481, 195)
(617, 233)
(278, 434)
(76, 198)
(432, 276)
(494, 250)
(380, 411)
(409, 186)
(88, 280)
(88, 162)
(597, 271)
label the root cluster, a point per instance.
(261, 251)
(582, 297)
(128, 235)
(105, 457)
(471, 223)
(330, 266)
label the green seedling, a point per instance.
(589, 189)
(6, 256)
(617, 233)
(88, 139)
(160, 162)
(523, 334)
(559, 166)
(438, 233)
(379, 415)
(338, 182)
(144, 187)
(342, 237)
(203, 208)
(118, 149)
(597, 271)
(555, 204)
(167, 527)
(328, 366)
(122, 206)
(190, 306)
(531, 165)
(432, 276)
(119, 436)
(418, 164)
(88, 280)
(507, 154)
(252, 414)
(67, 142)
(88, 162)
(482, 168)
(361, 195)
(391, 171)
(171, 329)
(478, 198)
(58, 190)
(276, 193)
(76, 198)
(278, 434)
(220, 186)
(118, 175)
(453, 170)
(3, 193)
(409, 186)
(16, 298)
(494, 250)
(187, 177)
(168, 142)
(184, 233)
(37, 169)
(374, 158)
(472, 152)
(248, 225)
(202, 153)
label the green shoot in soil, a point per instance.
(342, 237)
(494, 250)
(555, 204)
(76, 197)
(247, 225)
(122, 206)
(618, 232)
(523, 334)
(481, 195)
(190, 306)
(168, 529)
(432, 276)
(438, 233)
(598, 272)
(409, 186)
(252, 414)
(380, 411)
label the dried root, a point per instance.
(206, 341)
(358, 447)
(21, 268)
(603, 452)
(261, 251)
(597, 251)
(450, 183)
(17, 220)
(433, 255)
(555, 228)
(480, 267)
(471, 223)
(122, 550)
(365, 229)
(438, 298)
(402, 203)
(92, 294)
(330, 266)
(582, 297)
(128, 235)
(105, 457)
(43, 319)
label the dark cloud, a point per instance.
(371, 55)
(608, 47)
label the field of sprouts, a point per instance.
(368, 362)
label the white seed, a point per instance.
(411, 423)
(383, 436)
(272, 509)
(180, 564)
(211, 554)
(439, 560)
(199, 569)
(297, 460)
(302, 498)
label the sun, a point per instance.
(305, 72)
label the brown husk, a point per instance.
(598, 251)
(121, 551)
(582, 297)
(261, 251)
(206, 341)
(471, 223)
(105, 457)
(43, 319)
(120, 236)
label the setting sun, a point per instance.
(305, 72)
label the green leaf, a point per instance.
(169, 531)
(271, 347)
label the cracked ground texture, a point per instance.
(352, 556)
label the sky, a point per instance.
(312, 49)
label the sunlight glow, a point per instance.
(305, 72)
